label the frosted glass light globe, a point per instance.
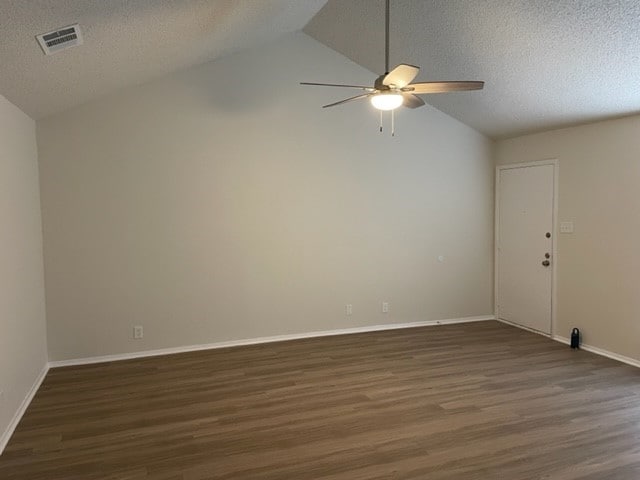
(386, 100)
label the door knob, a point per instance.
(546, 263)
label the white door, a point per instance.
(525, 208)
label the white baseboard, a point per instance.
(259, 340)
(600, 351)
(4, 439)
(587, 348)
(522, 327)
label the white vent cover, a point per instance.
(60, 39)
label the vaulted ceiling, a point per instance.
(546, 63)
(127, 42)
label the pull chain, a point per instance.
(393, 123)
(393, 126)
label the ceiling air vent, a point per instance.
(61, 39)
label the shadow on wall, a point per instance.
(269, 77)
(243, 83)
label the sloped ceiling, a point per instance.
(127, 42)
(546, 63)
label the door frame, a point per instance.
(554, 240)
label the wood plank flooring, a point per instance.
(470, 401)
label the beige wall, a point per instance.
(223, 203)
(599, 190)
(23, 350)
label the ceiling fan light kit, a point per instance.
(388, 100)
(394, 88)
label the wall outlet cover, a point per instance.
(138, 332)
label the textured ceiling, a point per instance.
(546, 63)
(127, 42)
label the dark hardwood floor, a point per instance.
(472, 401)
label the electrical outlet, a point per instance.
(138, 332)
(385, 307)
(348, 309)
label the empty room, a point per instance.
(319, 239)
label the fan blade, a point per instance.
(442, 87)
(401, 76)
(336, 85)
(412, 101)
(364, 95)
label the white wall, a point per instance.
(223, 203)
(599, 190)
(23, 350)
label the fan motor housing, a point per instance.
(378, 85)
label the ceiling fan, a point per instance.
(394, 88)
